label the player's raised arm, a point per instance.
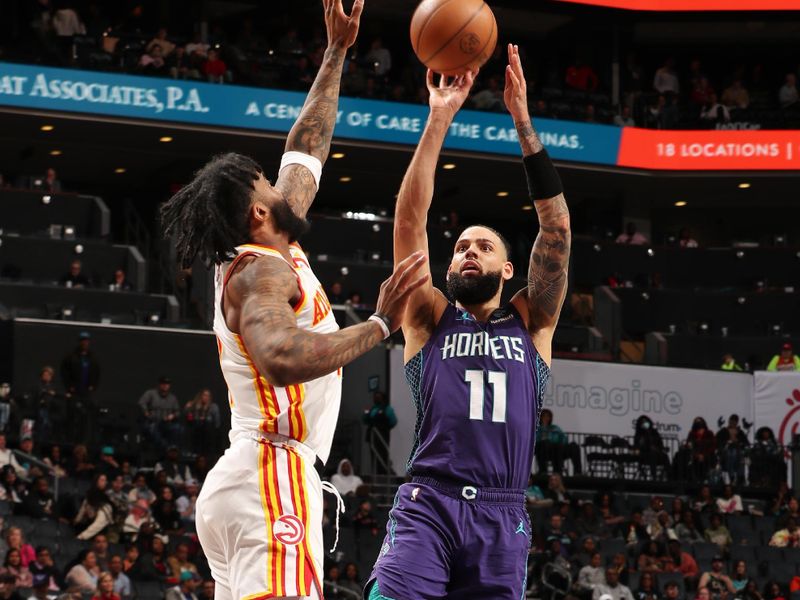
(309, 140)
(258, 296)
(416, 191)
(547, 271)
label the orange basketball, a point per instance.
(453, 36)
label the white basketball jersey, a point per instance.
(306, 412)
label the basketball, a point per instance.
(452, 36)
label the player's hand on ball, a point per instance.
(448, 98)
(516, 90)
(396, 291)
(342, 29)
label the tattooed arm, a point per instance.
(257, 307)
(541, 302)
(313, 130)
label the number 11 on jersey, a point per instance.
(477, 394)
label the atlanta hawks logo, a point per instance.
(289, 530)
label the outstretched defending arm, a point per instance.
(312, 132)
(258, 296)
(547, 270)
(416, 195)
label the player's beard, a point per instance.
(286, 221)
(469, 291)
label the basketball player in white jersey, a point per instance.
(259, 515)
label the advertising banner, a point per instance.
(671, 5)
(777, 403)
(276, 110)
(709, 150)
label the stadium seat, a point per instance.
(148, 590)
(781, 570)
(705, 550)
(745, 553)
(612, 546)
(769, 554)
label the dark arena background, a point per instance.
(676, 387)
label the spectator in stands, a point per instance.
(215, 69)
(590, 522)
(345, 480)
(105, 588)
(130, 562)
(650, 514)
(180, 66)
(354, 82)
(787, 360)
(592, 575)
(685, 239)
(631, 236)
(203, 422)
(7, 456)
(185, 590)
(718, 534)
(557, 532)
(587, 549)
(96, 512)
(702, 445)
(701, 91)
(85, 573)
(729, 502)
(350, 580)
(75, 277)
(605, 507)
(678, 561)
(581, 76)
(80, 373)
(767, 466)
(100, 549)
(171, 466)
(379, 58)
(704, 502)
(551, 444)
(612, 588)
(8, 587)
(167, 517)
(15, 540)
(380, 420)
(666, 80)
(714, 112)
(676, 509)
(662, 531)
(672, 591)
(161, 40)
(647, 588)
(13, 565)
(43, 397)
(729, 363)
(634, 532)
(788, 94)
(160, 414)
(41, 588)
(716, 580)
(740, 579)
(732, 444)
(152, 61)
(12, 489)
(207, 590)
(623, 118)
(119, 283)
(649, 447)
(141, 491)
(651, 559)
(736, 95)
(490, 97)
(364, 518)
(773, 591)
(108, 465)
(45, 568)
(788, 537)
(687, 529)
(118, 496)
(79, 465)
(556, 490)
(179, 562)
(790, 511)
(187, 502)
(49, 182)
(151, 565)
(40, 502)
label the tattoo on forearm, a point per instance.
(281, 350)
(313, 131)
(547, 272)
(528, 139)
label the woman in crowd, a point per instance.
(732, 443)
(556, 489)
(13, 565)
(702, 446)
(56, 462)
(649, 446)
(203, 422)
(773, 591)
(767, 467)
(105, 588)
(12, 490)
(16, 541)
(85, 573)
(79, 465)
(96, 512)
(687, 530)
(740, 578)
(605, 506)
(350, 580)
(551, 443)
(718, 534)
(729, 503)
(647, 588)
(791, 510)
(704, 502)
(651, 560)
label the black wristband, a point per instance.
(385, 320)
(543, 179)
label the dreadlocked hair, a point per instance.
(209, 216)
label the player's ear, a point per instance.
(508, 271)
(259, 212)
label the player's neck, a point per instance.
(278, 241)
(483, 311)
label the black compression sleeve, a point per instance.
(543, 179)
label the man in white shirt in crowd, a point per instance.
(666, 80)
(612, 589)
